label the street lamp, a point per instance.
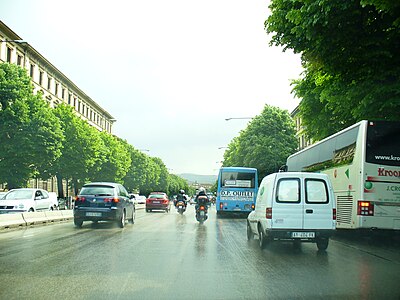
(240, 118)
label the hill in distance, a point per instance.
(200, 179)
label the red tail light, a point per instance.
(221, 205)
(253, 207)
(268, 213)
(202, 207)
(77, 199)
(165, 201)
(334, 214)
(365, 208)
(111, 200)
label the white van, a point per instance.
(294, 206)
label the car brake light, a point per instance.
(77, 199)
(365, 208)
(334, 214)
(268, 213)
(165, 201)
(109, 200)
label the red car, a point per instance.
(157, 200)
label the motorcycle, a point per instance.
(180, 207)
(201, 210)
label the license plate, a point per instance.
(202, 213)
(93, 214)
(157, 202)
(303, 234)
(237, 208)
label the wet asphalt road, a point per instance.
(169, 256)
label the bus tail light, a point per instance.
(334, 214)
(221, 205)
(365, 208)
(268, 213)
(253, 207)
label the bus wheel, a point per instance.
(322, 243)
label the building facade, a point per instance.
(302, 140)
(54, 85)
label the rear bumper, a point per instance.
(158, 206)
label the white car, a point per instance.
(28, 199)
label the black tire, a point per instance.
(322, 244)
(78, 223)
(132, 220)
(121, 221)
(31, 210)
(250, 234)
(262, 238)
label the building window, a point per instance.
(63, 93)
(32, 70)
(19, 61)
(56, 89)
(74, 102)
(69, 99)
(41, 77)
(9, 55)
(79, 106)
(49, 83)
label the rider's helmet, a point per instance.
(182, 192)
(202, 190)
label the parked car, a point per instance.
(104, 201)
(157, 201)
(294, 206)
(2, 194)
(28, 199)
(141, 199)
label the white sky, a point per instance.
(170, 72)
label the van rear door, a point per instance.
(318, 206)
(287, 209)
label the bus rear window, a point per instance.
(238, 180)
(383, 143)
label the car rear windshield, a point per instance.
(97, 190)
(157, 196)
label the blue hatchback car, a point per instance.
(104, 201)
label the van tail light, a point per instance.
(334, 214)
(268, 213)
(365, 208)
(111, 200)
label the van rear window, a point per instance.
(288, 190)
(316, 191)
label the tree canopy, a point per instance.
(349, 50)
(265, 143)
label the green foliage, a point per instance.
(265, 144)
(30, 134)
(350, 52)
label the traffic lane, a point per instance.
(171, 256)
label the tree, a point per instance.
(82, 149)
(30, 134)
(265, 143)
(349, 51)
(116, 162)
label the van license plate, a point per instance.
(93, 214)
(303, 235)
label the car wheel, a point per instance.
(322, 243)
(250, 234)
(132, 220)
(78, 223)
(262, 238)
(121, 221)
(31, 210)
(51, 208)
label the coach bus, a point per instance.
(363, 163)
(236, 190)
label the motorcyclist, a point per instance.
(181, 197)
(202, 200)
